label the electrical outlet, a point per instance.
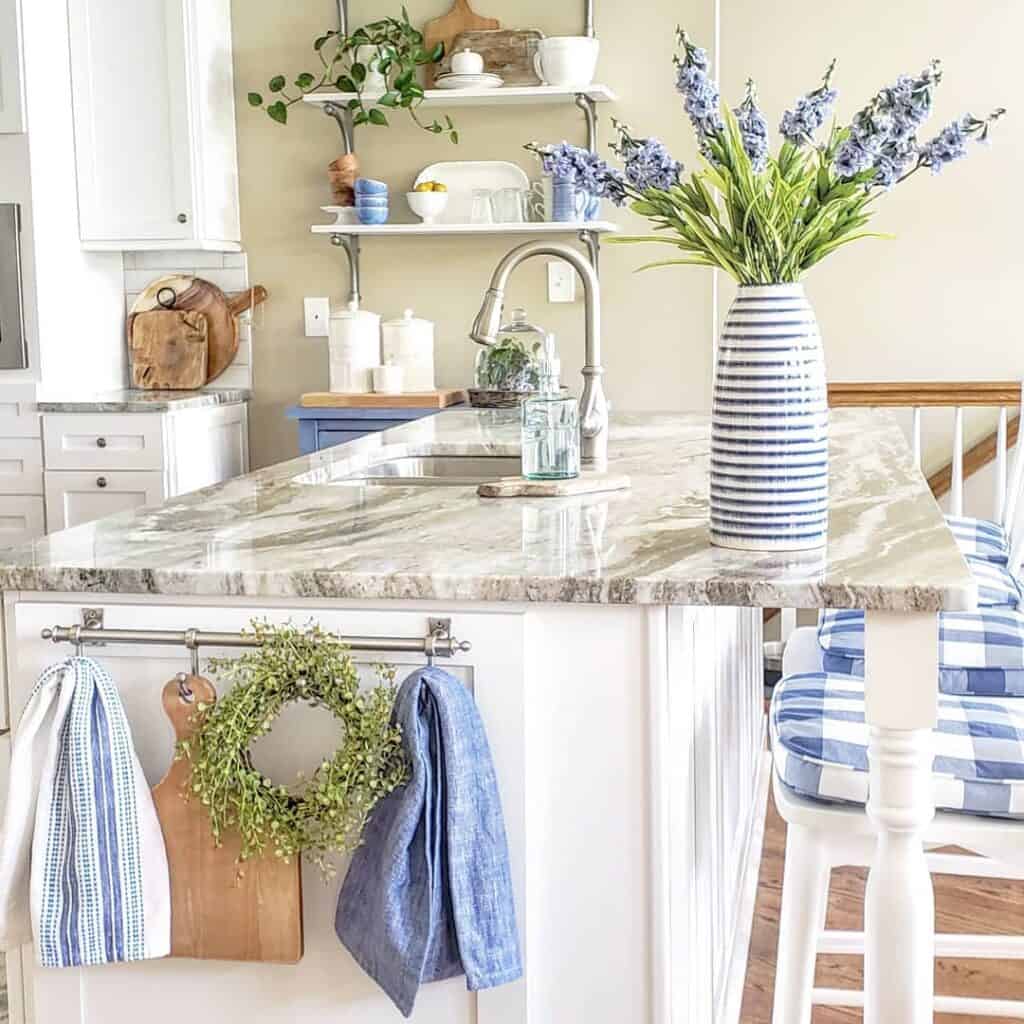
(561, 282)
(318, 315)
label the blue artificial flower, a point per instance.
(799, 125)
(647, 161)
(584, 169)
(951, 143)
(701, 98)
(753, 128)
(882, 134)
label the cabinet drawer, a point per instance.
(111, 441)
(21, 518)
(21, 465)
(73, 498)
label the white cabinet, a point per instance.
(327, 984)
(12, 117)
(154, 122)
(98, 464)
(73, 498)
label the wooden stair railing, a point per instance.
(957, 395)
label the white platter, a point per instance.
(484, 81)
(463, 176)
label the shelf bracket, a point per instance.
(350, 243)
(592, 240)
(344, 122)
(589, 108)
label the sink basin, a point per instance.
(451, 470)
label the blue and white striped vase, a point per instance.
(769, 425)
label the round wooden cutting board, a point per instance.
(194, 293)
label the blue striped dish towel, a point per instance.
(428, 895)
(83, 869)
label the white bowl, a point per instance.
(428, 206)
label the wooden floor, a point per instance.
(962, 905)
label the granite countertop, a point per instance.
(299, 529)
(134, 400)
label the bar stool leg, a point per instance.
(804, 903)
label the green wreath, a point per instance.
(326, 813)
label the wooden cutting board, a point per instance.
(220, 909)
(461, 18)
(507, 52)
(194, 293)
(168, 349)
(421, 400)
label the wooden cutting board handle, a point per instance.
(220, 909)
(250, 298)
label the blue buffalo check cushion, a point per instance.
(980, 538)
(820, 741)
(997, 586)
(980, 652)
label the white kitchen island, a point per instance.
(616, 659)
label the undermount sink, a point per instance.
(450, 470)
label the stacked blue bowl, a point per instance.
(371, 201)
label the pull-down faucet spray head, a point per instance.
(488, 321)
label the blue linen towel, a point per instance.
(428, 895)
(83, 869)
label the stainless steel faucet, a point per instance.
(593, 406)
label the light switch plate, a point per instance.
(318, 315)
(561, 282)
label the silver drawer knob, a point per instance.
(182, 218)
(101, 481)
(101, 442)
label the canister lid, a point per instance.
(407, 318)
(351, 311)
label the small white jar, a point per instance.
(409, 343)
(467, 62)
(354, 347)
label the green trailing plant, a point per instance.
(319, 816)
(398, 55)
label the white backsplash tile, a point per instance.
(176, 260)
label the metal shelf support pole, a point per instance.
(589, 108)
(350, 243)
(588, 18)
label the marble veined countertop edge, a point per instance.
(137, 400)
(304, 529)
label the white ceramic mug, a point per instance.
(387, 379)
(567, 61)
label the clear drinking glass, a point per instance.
(509, 206)
(551, 437)
(482, 211)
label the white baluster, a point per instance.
(956, 498)
(1000, 484)
(916, 437)
(1013, 490)
(788, 623)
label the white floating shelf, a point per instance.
(601, 227)
(509, 95)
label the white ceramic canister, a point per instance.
(409, 343)
(354, 346)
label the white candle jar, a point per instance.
(409, 343)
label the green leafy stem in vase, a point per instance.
(346, 64)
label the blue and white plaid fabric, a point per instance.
(997, 587)
(980, 538)
(980, 653)
(820, 741)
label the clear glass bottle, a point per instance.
(550, 425)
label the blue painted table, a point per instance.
(321, 428)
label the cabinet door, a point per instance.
(132, 145)
(73, 498)
(327, 984)
(11, 108)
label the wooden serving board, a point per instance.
(194, 293)
(220, 909)
(507, 52)
(520, 487)
(461, 18)
(413, 400)
(169, 350)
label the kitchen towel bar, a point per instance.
(438, 643)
